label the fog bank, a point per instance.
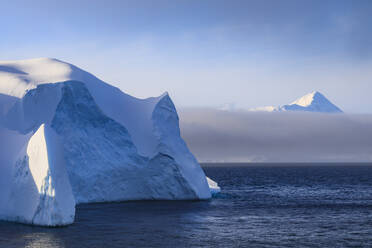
(222, 136)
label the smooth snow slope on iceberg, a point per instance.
(133, 113)
(116, 147)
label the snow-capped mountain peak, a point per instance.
(308, 99)
(312, 102)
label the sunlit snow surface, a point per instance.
(69, 137)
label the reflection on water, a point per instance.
(258, 207)
(39, 240)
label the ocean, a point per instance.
(261, 205)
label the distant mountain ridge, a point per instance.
(312, 102)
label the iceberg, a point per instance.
(71, 138)
(213, 186)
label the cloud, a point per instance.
(214, 135)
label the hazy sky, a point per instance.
(206, 52)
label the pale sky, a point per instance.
(205, 53)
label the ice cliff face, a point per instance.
(102, 161)
(72, 138)
(40, 191)
(166, 129)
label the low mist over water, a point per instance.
(218, 136)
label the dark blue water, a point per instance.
(260, 206)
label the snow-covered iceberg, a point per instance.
(70, 138)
